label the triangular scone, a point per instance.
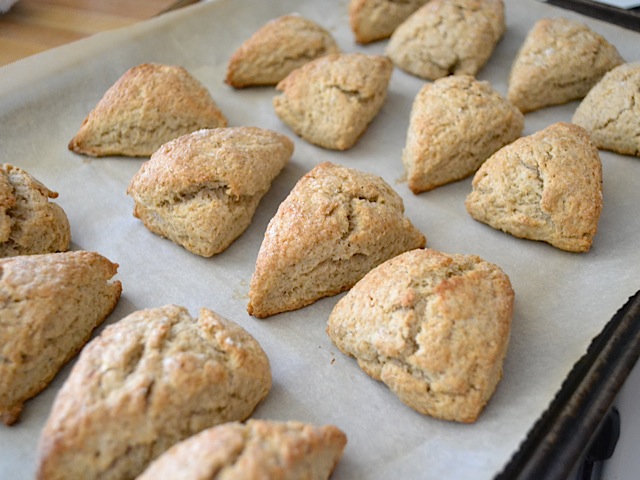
(29, 222)
(202, 189)
(372, 20)
(446, 37)
(283, 450)
(546, 186)
(330, 101)
(611, 111)
(49, 305)
(559, 61)
(148, 381)
(336, 225)
(148, 106)
(280, 46)
(456, 123)
(433, 327)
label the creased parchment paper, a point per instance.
(562, 299)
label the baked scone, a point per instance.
(49, 306)
(433, 327)
(147, 382)
(280, 46)
(331, 101)
(546, 186)
(611, 111)
(456, 123)
(372, 20)
(29, 222)
(448, 37)
(202, 189)
(259, 449)
(559, 61)
(148, 106)
(336, 224)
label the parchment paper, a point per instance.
(562, 299)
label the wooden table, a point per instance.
(32, 26)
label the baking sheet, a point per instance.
(562, 299)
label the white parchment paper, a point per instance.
(562, 299)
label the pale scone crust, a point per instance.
(256, 450)
(373, 20)
(147, 382)
(560, 61)
(433, 327)
(448, 37)
(456, 123)
(611, 111)
(29, 222)
(146, 107)
(276, 49)
(331, 101)
(202, 189)
(546, 186)
(49, 306)
(335, 225)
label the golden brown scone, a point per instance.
(147, 382)
(372, 20)
(280, 46)
(448, 37)
(49, 306)
(202, 189)
(611, 111)
(336, 225)
(456, 123)
(560, 61)
(433, 327)
(546, 186)
(29, 222)
(148, 106)
(331, 101)
(257, 450)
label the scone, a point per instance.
(546, 186)
(456, 123)
(433, 327)
(147, 382)
(560, 61)
(280, 46)
(448, 37)
(331, 101)
(611, 111)
(29, 222)
(372, 20)
(336, 224)
(259, 449)
(148, 106)
(49, 306)
(202, 189)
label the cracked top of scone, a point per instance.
(277, 48)
(29, 222)
(433, 327)
(336, 225)
(331, 101)
(560, 61)
(148, 381)
(546, 186)
(372, 20)
(456, 123)
(448, 37)
(147, 106)
(611, 111)
(256, 450)
(201, 190)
